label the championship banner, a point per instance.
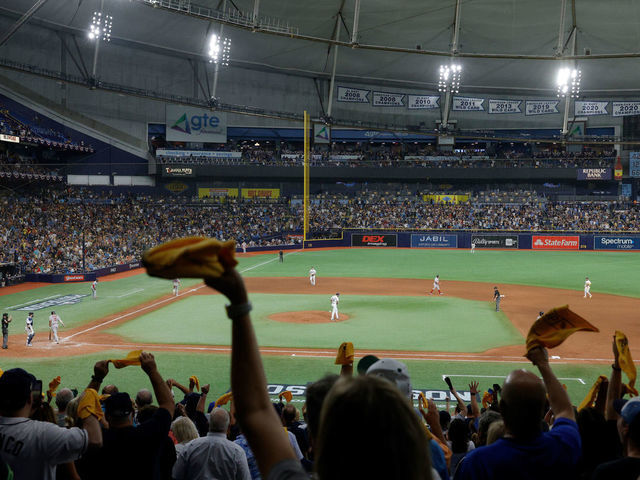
(467, 104)
(504, 106)
(217, 192)
(446, 198)
(434, 240)
(353, 95)
(623, 109)
(541, 107)
(634, 164)
(586, 108)
(594, 174)
(423, 102)
(376, 240)
(162, 152)
(260, 193)
(610, 242)
(494, 241)
(387, 99)
(189, 124)
(321, 133)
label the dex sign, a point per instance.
(188, 124)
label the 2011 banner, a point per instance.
(504, 106)
(623, 109)
(423, 102)
(387, 99)
(468, 104)
(590, 108)
(353, 95)
(541, 107)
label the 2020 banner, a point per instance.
(624, 109)
(587, 108)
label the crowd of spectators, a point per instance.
(363, 423)
(23, 166)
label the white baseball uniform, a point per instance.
(244, 247)
(94, 292)
(54, 320)
(176, 286)
(436, 285)
(587, 288)
(334, 307)
(473, 247)
(312, 276)
(30, 331)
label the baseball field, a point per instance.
(384, 309)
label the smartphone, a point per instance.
(36, 392)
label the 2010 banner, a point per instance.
(388, 99)
(504, 106)
(353, 95)
(423, 102)
(541, 107)
(623, 109)
(468, 104)
(587, 108)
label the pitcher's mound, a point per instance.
(310, 316)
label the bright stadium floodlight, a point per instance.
(568, 82)
(449, 79)
(219, 49)
(100, 28)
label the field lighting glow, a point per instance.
(219, 49)
(449, 78)
(100, 28)
(568, 82)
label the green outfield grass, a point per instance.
(387, 322)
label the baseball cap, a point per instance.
(118, 405)
(365, 362)
(628, 409)
(15, 388)
(394, 371)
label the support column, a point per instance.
(333, 70)
(356, 20)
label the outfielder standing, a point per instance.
(29, 329)
(54, 320)
(94, 291)
(312, 276)
(436, 285)
(334, 307)
(176, 286)
(6, 320)
(587, 287)
(473, 247)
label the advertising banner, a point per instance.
(162, 152)
(555, 242)
(189, 124)
(504, 106)
(634, 164)
(176, 187)
(9, 138)
(594, 174)
(388, 99)
(353, 95)
(446, 198)
(590, 108)
(482, 240)
(321, 133)
(423, 102)
(217, 192)
(611, 242)
(374, 240)
(178, 172)
(434, 240)
(467, 104)
(624, 109)
(541, 107)
(260, 193)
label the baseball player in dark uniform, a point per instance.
(6, 320)
(497, 297)
(281, 256)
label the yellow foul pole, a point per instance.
(307, 125)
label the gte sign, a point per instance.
(195, 125)
(555, 242)
(374, 240)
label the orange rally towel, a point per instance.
(288, 396)
(54, 384)
(196, 382)
(625, 361)
(224, 399)
(133, 358)
(555, 326)
(592, 394)
(487, 399)
(90, 405)
(190, 257)
(345, 354)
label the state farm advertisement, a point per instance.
(555, 242)
(374, 240)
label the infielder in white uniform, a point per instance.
(54, 320)
(29, 329)
(176, 286)
(587, 287)
(312, 276)
(334, 307)
(473, 248)
(436, 285)
(94, 291)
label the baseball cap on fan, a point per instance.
(394, 371)
(628, 409)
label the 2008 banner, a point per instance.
(434, 240)
(494, 241)
(374, 240)
(388, 99)
(353, 95)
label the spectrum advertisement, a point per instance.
(611, 242)
(434, 240)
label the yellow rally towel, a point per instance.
(592, 394)
(224, 399)
(345, 354)
(54, 384)
(90, 405)
(487, 399)
(555, 326)
(422, 400)
(133, 358)
(625, 361)
(104, 396)
(1, 372)
(190, 257)
(196, 382)
(288, 396)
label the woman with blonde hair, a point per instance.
(184, 430)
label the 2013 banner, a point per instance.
(591, 108)
(387, 99)
(353, 95)
(623, 109)
(423, 102)
(541, 107)
(504, 106)
(468, 104)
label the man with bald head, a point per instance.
(526, 452)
